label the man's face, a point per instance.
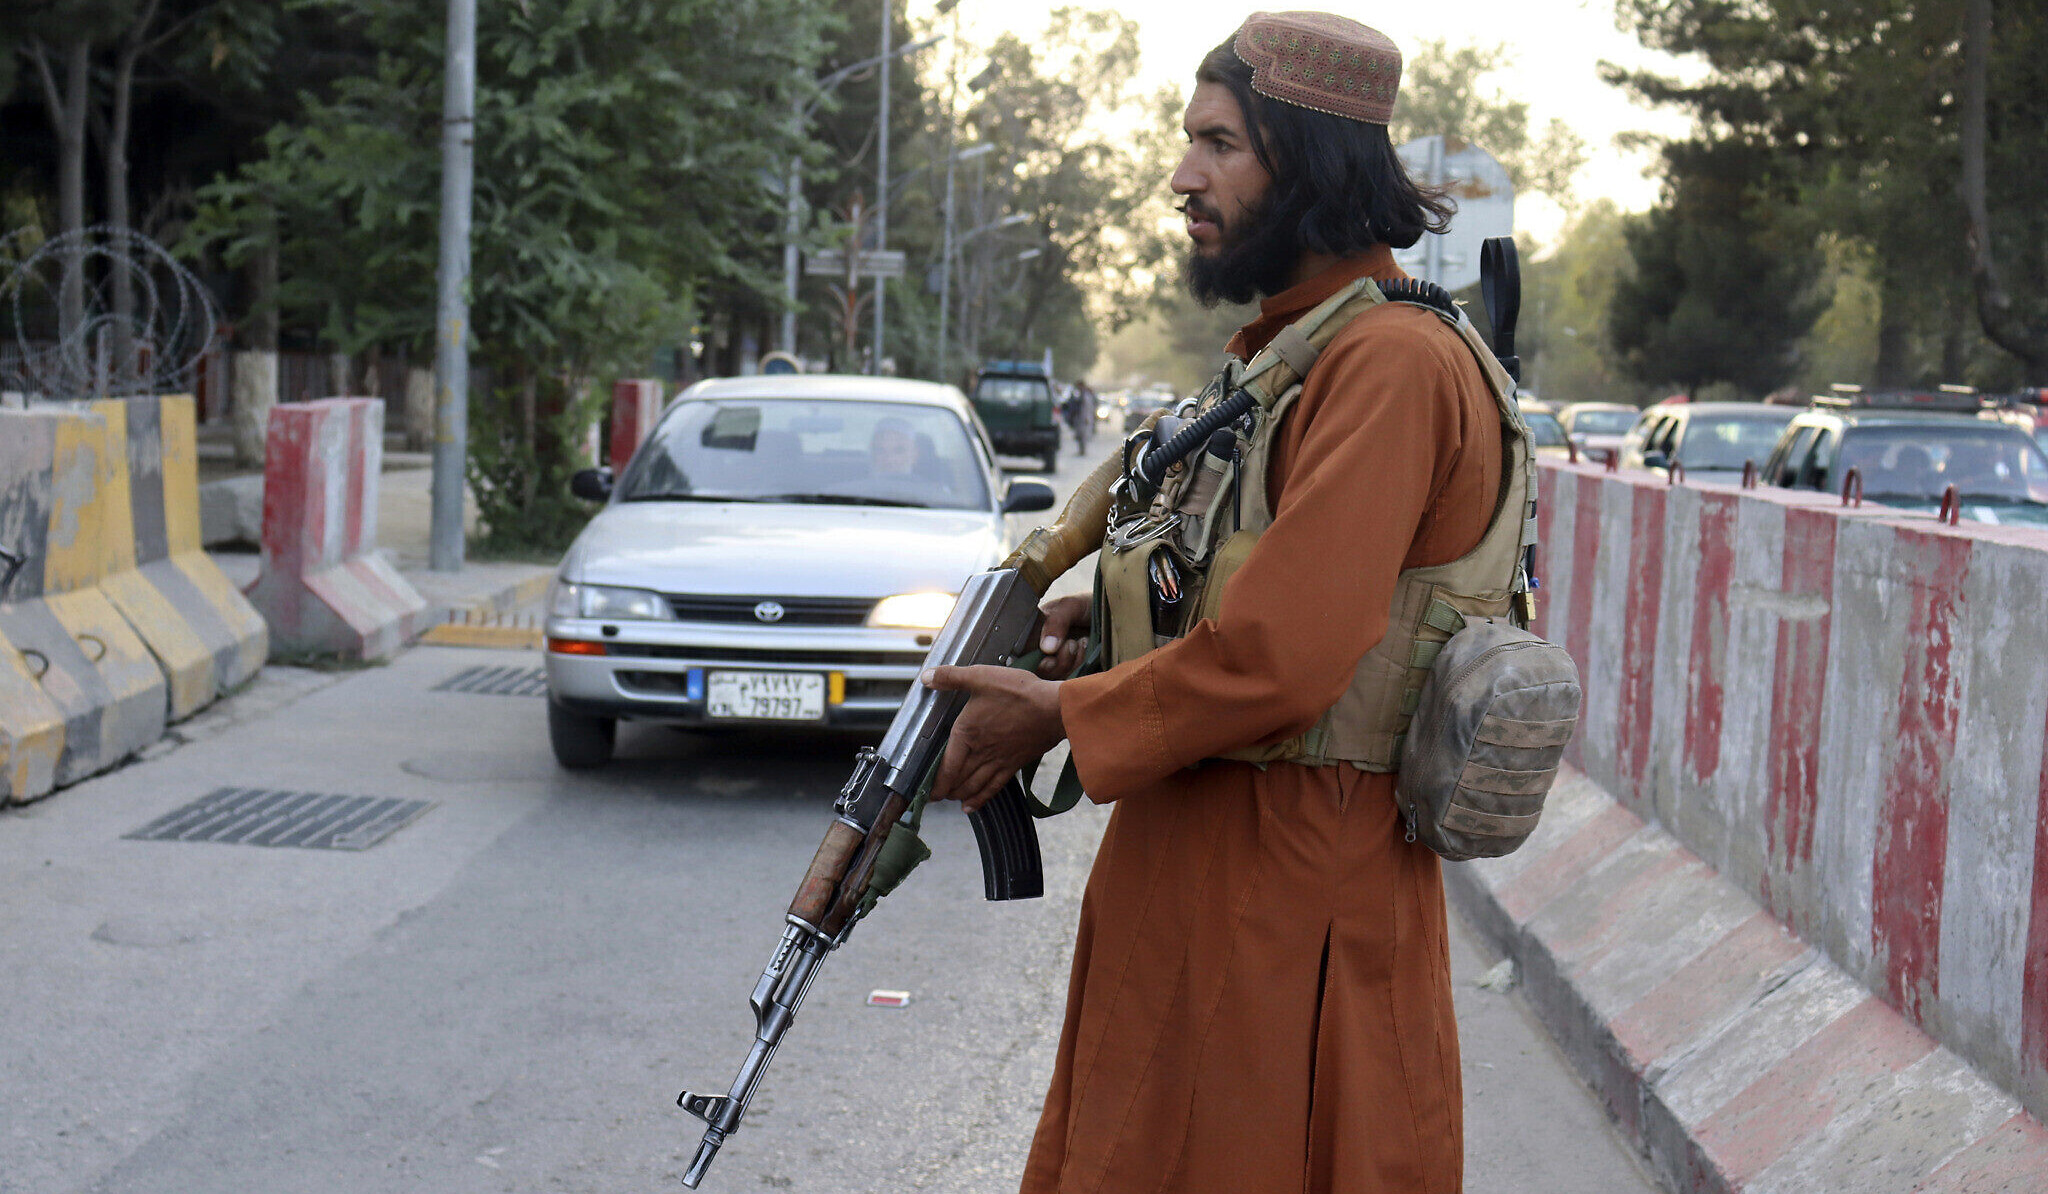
(1239, 250)
(893, 452)
(1219, 178)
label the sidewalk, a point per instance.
(483, 589)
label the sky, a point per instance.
(1557, 46)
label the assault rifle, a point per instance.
(868, 846)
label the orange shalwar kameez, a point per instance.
(1261, 1001)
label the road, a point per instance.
(506, 994)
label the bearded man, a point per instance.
(1260, 1000)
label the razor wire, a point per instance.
(71, 339)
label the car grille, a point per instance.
(796, 611)
(767, 655)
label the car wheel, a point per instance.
(1051, 459)
(580, 741)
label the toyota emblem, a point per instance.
(769, 611)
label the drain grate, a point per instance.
(497, 681)
(267, 817)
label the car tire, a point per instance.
(1051, 459)
(580, 741)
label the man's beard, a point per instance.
(1257, 258)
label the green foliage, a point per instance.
(1853, 107)
(1725, 282)
(521, 483)
(1085, 155)
(1562, 337)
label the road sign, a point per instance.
(1486, 207)
(874, 263)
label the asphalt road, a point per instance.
(506, 994)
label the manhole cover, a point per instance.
(497, 681)
(266, 817)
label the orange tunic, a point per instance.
(1260, 1001)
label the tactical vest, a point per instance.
(1210, 511)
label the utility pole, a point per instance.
(882, 177)
(451, 322)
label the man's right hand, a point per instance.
(1065, 635)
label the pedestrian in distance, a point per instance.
(1260, 1000)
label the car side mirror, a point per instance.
(592, 484)
(1025, 495)
(1655, 460)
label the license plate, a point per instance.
(765, 696)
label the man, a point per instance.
(1260, 1000)
(892, 448)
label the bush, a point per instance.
(521, 483)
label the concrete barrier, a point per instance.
(206, 636)
(323, 588)
(636, 405)
(1739, 1057)
(1840, 712)
(59, 503)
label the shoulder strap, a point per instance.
(1292, 353)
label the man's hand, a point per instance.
(1011, 718)
(1065, 635)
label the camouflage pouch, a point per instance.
(1496, 711)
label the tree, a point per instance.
(1085, 156)
(2020, 328)
(1566, 295)
(1724, 284)
(1856, 104)
(1443, 92)
(621, 150)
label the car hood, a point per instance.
(744, 548)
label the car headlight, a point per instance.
(607, 601)
(913, 611)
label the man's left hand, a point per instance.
(1011, 719)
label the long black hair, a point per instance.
(1337, 182)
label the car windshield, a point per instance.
(1918, 461)
(1603, 422)
(1544, 429)
(793, 450)
(1728, 441)
(1011, 391)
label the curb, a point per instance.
(1732, 1054)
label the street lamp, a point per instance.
(1009, 221)
(792, 227)
(946, 252)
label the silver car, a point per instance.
(782, 549)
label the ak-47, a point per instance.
(869, 847)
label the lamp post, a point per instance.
(451, 323)
(946, 256)
(792, 225)
(1009, 221)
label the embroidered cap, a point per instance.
(1321, 61)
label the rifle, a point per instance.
(869, 847)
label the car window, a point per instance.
(1666, 432)
(1916, 462)
(1011, 391)
(1544, 430)
(1782, 469)
(1728, 441)
(1814, 474)
(827, 452)
(1602, 422)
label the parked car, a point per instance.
(782, 549)
(1597, 426)
(1705, 438)
(1545, 431)
(1142, 403)
(1016, 402)
(1909, 457)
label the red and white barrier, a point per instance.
(1843, 712)
(323, 588)
(636, 405)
